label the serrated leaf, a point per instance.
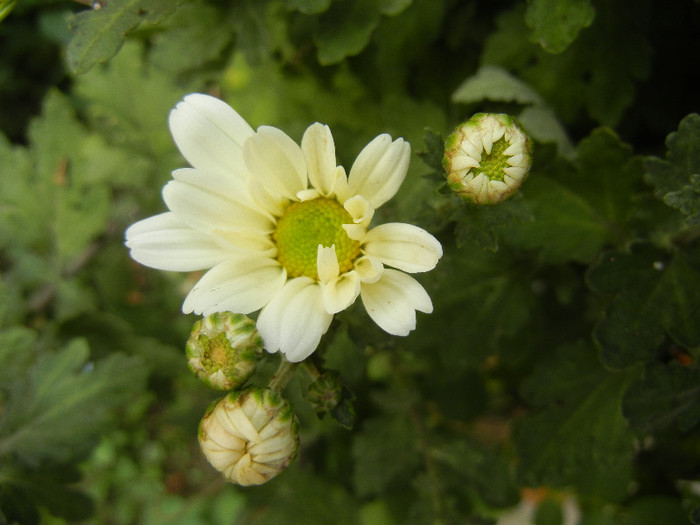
(666, 395)
(555, 24)
(677, 177)
(542, 125)
(495, 83)
(66, 403)
(577, 435)
(100, 33)
(345, 29)
(482, 225)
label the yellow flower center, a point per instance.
(307, 224)
(493, 164)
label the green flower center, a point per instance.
(307, 224)
(493, 164)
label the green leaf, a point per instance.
(345, 29)
(555, 24)
(65, 403)
(667, 394)
(651, 296)
(309, 7)
(383, 450)
(677, 177)
(579, 209)
(100, 33)
(576, 434)
(483, 225)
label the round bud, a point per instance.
(224, 349)
(487, 158)
(249, 436)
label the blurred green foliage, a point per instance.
(562, 354)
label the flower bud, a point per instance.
(325, 392)
(249, 436)
(487, 158)
(224, 349)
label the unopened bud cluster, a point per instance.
(487, 158)
(249, 436)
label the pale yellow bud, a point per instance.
(250, 436)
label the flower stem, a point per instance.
(282, 376)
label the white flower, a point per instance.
(249, 436)
(487, 158)
(283, 229)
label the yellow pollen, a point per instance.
(307, 224)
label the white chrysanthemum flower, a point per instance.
(283, 229)
(249, 436)
(487, 158)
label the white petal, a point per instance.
(359, 209)
(356, 232)
(210, 134)
(392, 301)
(340, 292)
(207, 210)
(294, 321)
(240, 285)
(165, 243)
(233, 188)
(380, 169)
(319, 151)
(327, 263)
(403, 246)
(276, 161)
(369, 269)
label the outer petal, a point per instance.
(240, 285)
(210, 134)
(380, 169)
(392, 301)
(403, 246)
(165, 243)
(294, 321)
(319, 151)
(207, 210)
(276, 161)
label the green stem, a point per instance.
(284, 373)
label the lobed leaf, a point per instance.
(100, 33)
(555, 24)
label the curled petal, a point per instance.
(392, 301)
(341, 292)
(276, 161)
(240, 285)
(369, 268)
(165, 243)
(295, 319)
(210, 134)
(359, 209)
(380, 169)
(403, 246)
(319, 151)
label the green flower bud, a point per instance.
(249, 436)
(224, 349)
(325, 392)
(487, 158)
